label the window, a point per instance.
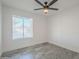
(21, 27)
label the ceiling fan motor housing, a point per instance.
(45, 3)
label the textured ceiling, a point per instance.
(30, 5)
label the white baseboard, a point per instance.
(35, 43)
(60, 45)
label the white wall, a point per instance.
(64, 29)
(39, 29)
(0, 29)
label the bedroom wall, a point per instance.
(39, 29)
(0, 29)
(64, 29)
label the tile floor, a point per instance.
(41, 51)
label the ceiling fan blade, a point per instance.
(53, 8)
(39, 3)
(39, 9)
(52, 2)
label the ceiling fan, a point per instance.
(46, 6)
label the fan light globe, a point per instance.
(45, 11)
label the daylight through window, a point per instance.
(22, 27)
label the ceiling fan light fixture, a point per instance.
(45, 11)
(46, 6)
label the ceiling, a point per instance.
(30, 5)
